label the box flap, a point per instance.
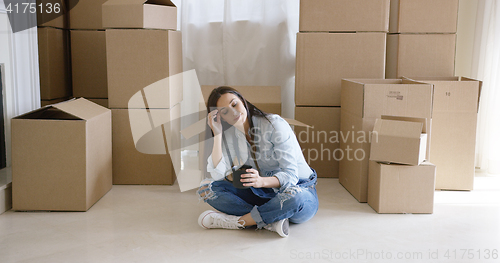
(397, 128)
(139, 2)
(47, 113)
(81, 108)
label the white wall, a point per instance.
(465, 37)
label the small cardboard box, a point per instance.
(54, 63)
(399, 140)
(364, 101)
(454, 123)
(143, 59)
(136, 163)
(157, 14)
(344, 15)
(61, 157)
(52, 14)
(85, 14)
(321, 141)
(428, 55)
(323, 59)
(88, 59)
(396, 189)
(423, 16)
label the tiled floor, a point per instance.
(159, 224)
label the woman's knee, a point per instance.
(208, 191)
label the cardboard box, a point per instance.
(321, 141)
(454, 122)
(344, 15)
(323, 59)
(399, 140)
(416, 55)
(88, 59)
(131, 166)
(394, 188)
(423, 16)
(54, 63)
(44, 103)
(140, 59)
(61, 157)
(139, 14)
(270, 103)
(102, 102)
(86, 14)
(364, 101)
(52, 14)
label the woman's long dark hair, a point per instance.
(212, 104)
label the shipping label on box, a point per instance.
(158, 14)
(61, 157)
(394, 188)
(401, 140)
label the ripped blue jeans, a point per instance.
(298, 203)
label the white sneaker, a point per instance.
(212, 219)
(280, 227)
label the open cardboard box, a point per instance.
(401, 140)
(157, 14)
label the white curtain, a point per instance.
(244, 42)
(486, 67)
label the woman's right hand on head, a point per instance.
(215, 122)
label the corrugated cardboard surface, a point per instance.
(54, 101)
(48, 15)
(86, 14)
(321, 142)
(139, 14)
(54, 63)
(88, 59)
(138, 58)
(102, 102)
(394, 188)
(454, 122)
(399, 141)
(423, 16)
(133, 167)
(323, 59)
(415, 55)
(365, 100)
(61, 162)
(344, 15)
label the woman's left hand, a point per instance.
(252, 178)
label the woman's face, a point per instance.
(231, 109)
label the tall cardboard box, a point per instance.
(364, 101)
(400, 140)
(321, 141)
(423, 16)
(61, 157)
(52, 13)
(420, 55)
(395, 188)
(131, 163)
(270, 103)
(323, 59)
(88, 59)
(139, 14)
(454, 122)
(344, 15)
(85, 14)
(54, 63)
(140, 59)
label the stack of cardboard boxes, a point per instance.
(88, 51)
(143, 52)
(399, 181)
(337, 39)
(53, 53)
(422, 38)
